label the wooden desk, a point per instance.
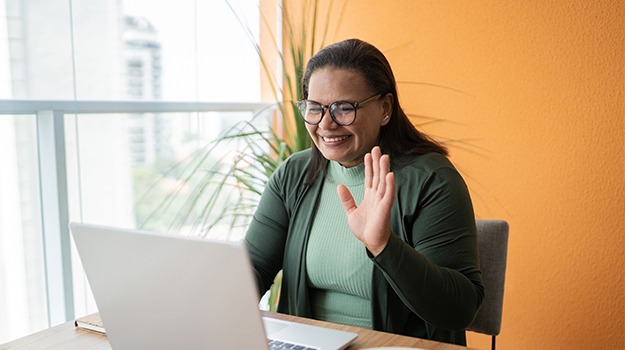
(67, 337)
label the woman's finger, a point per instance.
(389, 195)
(368, 171)
(384, 169)
(346, 198)
(375, 159)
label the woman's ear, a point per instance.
(387, 108)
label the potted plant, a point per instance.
(216, 188)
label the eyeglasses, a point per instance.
(342, 112)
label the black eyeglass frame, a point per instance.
(330, 109)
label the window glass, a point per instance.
(182, 50)
(23, 307)
(39, 41)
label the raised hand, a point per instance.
(370, 222)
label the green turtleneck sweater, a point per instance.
(338, 268)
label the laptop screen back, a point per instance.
(159, 292)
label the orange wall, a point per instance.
(534, 92)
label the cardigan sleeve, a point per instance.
(431, 260)
(266, 235)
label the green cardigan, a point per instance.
(426, 283)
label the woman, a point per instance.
(373, 226)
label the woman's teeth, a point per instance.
(334, 139)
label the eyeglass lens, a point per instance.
(342, 112)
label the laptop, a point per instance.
(157, 291)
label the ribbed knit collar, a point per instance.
(338, 174)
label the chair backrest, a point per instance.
(492, 236)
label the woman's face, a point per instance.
(346, 145)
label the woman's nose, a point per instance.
(326, 120)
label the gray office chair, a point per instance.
(492, 240)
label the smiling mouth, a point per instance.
(334, 139)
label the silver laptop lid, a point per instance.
(158, 291)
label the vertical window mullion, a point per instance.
(55, 215)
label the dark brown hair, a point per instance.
(399, 135)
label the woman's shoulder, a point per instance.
(295, 165)
(428, 162)
(297, 160)
(430, 170)
(300, 156)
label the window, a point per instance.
(101, 50)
